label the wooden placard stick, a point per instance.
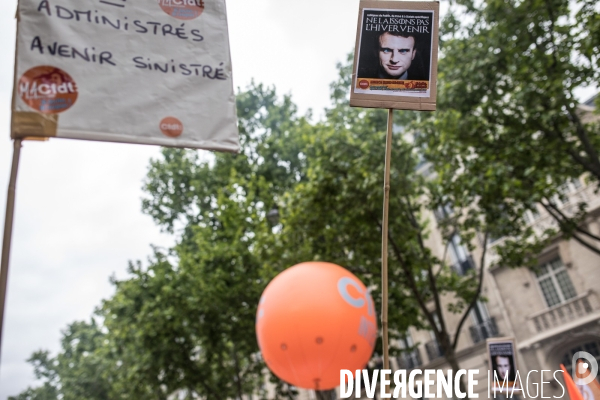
(8, 224)
(384, 241)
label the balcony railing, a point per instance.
(484, 330)
(561, 314)
(433, 350)
(410, 359)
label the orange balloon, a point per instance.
(314, 319)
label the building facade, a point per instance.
(551, 313)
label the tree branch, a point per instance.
(411, 281)
(573, 235)
(585, 163)
(430, 275)
(585, 140)
(236, 364)
(566, 220)
(477, 293)
(443, 263)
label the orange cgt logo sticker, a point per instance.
(171, 127)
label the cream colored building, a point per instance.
(551, 314)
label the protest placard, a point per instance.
(395, 59)
(502, 358)
(157, 72)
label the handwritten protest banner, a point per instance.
(395, 60)
(153, 72)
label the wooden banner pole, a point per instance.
(384, 241)
(8, 224)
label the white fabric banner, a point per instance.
(151, 72)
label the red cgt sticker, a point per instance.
(171, 127)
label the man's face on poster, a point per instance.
(396, 54)
(502, 366)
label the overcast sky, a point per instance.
(78, 218)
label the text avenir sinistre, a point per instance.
(104, 57)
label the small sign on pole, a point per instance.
(502, 359)
(156, 72)
(395, 58)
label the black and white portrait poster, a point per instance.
(396, 55)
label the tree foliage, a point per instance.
(77, 372)
(509, 132)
